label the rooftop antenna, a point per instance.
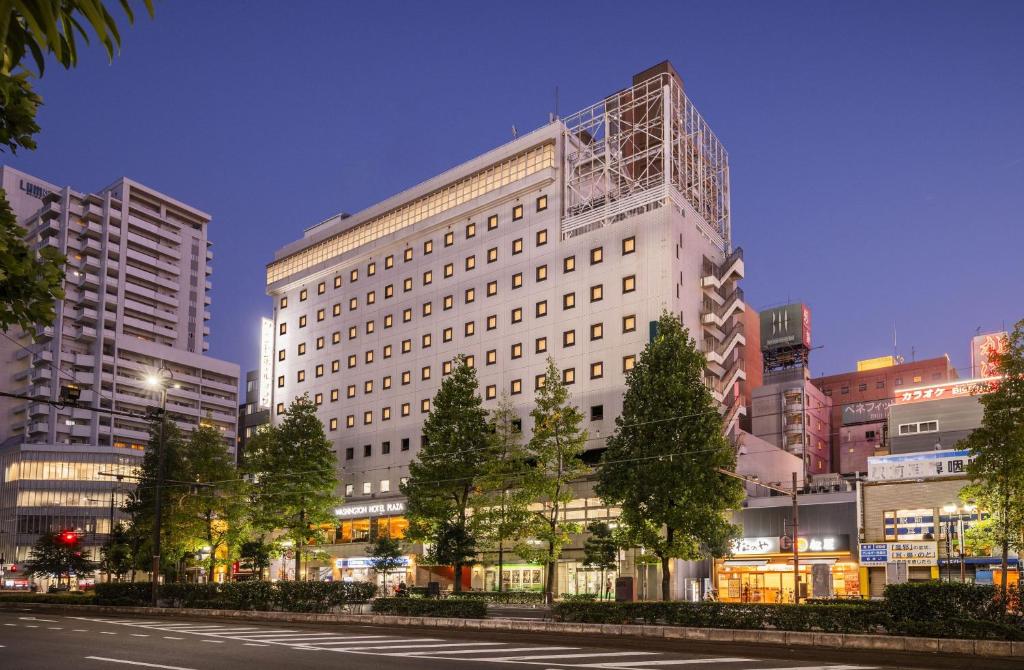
(894, 351)
(556, 101)
(515, 133)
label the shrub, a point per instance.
(124, 593)
(190, 595)
(934, 601)
(50, 598)
(502, 597)
(250, 595)
(462, 608)
(579, 598)
(319, 596)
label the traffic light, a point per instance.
(69, 537)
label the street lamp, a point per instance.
(951, 510)
(160, 381)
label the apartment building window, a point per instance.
(406, 377)
(407, 315)
(541, 308)
(353, 303)
(428, 247)
(350, 392)
(371, 269)
(280, 408)
(352, 360)
(334, 395)
(284, 302)
(568, 338)
(517, 212)
(596, 293)
(470, 362)
(385, 415)
(448, 302)
(569, 376)
(280, 354)
(321, 288)
(367, 418)
(492, 322)
(596, 331)
(492, 254)
(470, 295)
(469, 329)
(492, 222)
(542, 273)
(389, 291)
(628, 245)
(629, 284)
(407, 254)
(449, 239)
(446, 368)
(428, 278)
(336, 337)
(352, 332)
(540, 345)
(303, 294)
(407, 284)
(335, 365)
(491, 392)
(517, 246)
(470, 262)
(283, 328)
(470, 230)
(517, 280)
(369, 356)
(446, 334)
(491, 357)
(368, 386)
(337, 281)
(350, 421)
(280, 382)
(406, 346)
(516, 387)
(628, 362)
(426, 340)
(517, 315)
(597, 412)
(424, 406)
(389, 262)
(302, 348)
(336, 309)
(568, 264)
(517, 350)
(385, 447)
(542, 203)
(449, 270)
(569, 300)
(596, 255)
(386, 382)
(388, 320)
(492, 288)
(333, 424)
(369, 327)
(319, 370)
(542, 238)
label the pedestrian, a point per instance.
(402, 590)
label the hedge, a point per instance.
(253, 595)
(502, 597)
(461, 608)
(50, 598)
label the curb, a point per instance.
(777, 638)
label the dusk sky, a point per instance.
(876, 149)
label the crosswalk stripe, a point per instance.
(824, 667)
(595, 653)
(287, 638)
(630, 665)
(481, 651)
(344, 646)
(430, 646)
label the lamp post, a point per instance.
(959, 512)
(160, 381)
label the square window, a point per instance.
(517, 212)
(449, 239)
(542, 238)
(568, 338)
(541, 308)
(470, 262)
(492, 222)
(517, 315)
(628, 362)
(428, 247)
(568, 264)
(389, 262)
(517, 246)
(446, 334)
(629, 284)
(516, 387)
(569, 376)
(492, 322)
(540, 345)
(517, 350)
(542, 203)
(491, 357)
(491, 392)
(517, 280)
(596, 293)
(470, 230)
(492, 288)
(597, 412)
(407, 254)
(596, 331)
(596, 255)
(542, 272)
(448, 302)
(568, 301)
(470, 329)
(492, 254)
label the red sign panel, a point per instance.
(957, 389)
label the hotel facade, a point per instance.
(566, 243)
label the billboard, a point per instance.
(876, 363)
(982, 349)
(866, 412)
(786, 326)
(958, 389)
(922, 465)
(266, 361)
(911, 553)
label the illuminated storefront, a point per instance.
(359, 526)
(761, 569)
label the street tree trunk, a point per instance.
(501, 565)
(666, 582)
(549, 577)
(298, 548)
(457, 586)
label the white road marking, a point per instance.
(107, 632)
(254, 644)
(595, 653)
(10, 624)
(139, 635)
(825, 667)
(79, 630)
(54, 628)
(168, 637)
(431, 646)
(29, 626)
(213, 641)
(360, 643)
(425, 654)
(631, 665)
(145, 665)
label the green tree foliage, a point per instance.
(600, 551)
(447, 470)
(998, 446)
(294, 466)
(662, 464)
(30, 282)
(500, 505)
(554, 451)
(256, 555)
(385, 556)
(54, 557)
(116, 557)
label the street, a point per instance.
(34, 641)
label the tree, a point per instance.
(554, 451)
(385, 556)
(663, 463)
(998, 447)
(56, 555)
(447, 470)
(501, 503)
(256, 555)
(116, 553)
(31, 282)
(294, 465)
(600, 551)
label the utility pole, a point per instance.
(160, 380)
(796, 545)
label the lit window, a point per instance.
(428, 277)
(517, 280)
(334, 395)
(492, 288)
(369, 327)
(407, 315)
(628, 245)
(542, 272)
(538, 382)
(407, 284)
(280, 408)
(336, 337)
(321, 288)
(405, 409)
(367, 488)
(596, 370)
(491, 357)
(569, 376)
(352, 332)
(302, 321)
(353, 275)
(284, 302)
(596, 293)
(516, 387)
(542, 238)
(337, 282)
(371, 269)
(283, 328)
(385, 415)
(425, 372)
(389, 262)
(428, 247)
(540, 345)
(426, 340)
(407, 254)
(517, 246)
(368, 386)
(470, 328)
(406, 346)
(492, 254)
(334, 424)
(629, 284)
(517, 350)
(568, 301)
(446, 368)
(427, 309)
(470, 361)
(596, 255)
(353, 303)
(320, 342)
(596, 331)
(386, 382)
(406, 377)
(389, 291)
(335, 365)
(492, 222)
(517, 212)
(367, 417)
(425, 405)
(470, 262)
(300, 376)
(470, 230)
(568, 338)
(303, 294)
(449, 270)
(321, 314)
(492, 322)
(319, 370)
(449, 239)
(350, 392)
(517, 315)
(387, 351)
(302, 348)
(542, 308)
(280, 381)
(369, 356)
(542, 203)
(352, 360)
(280, 355)
(491, 392)
(371, 297)
(446, 335)
(470, 295)
(336, 310)
(568, 264)
(448, 302)
(388, 320)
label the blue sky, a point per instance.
(877, 149)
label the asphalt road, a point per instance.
(34, 641)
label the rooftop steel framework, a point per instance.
(616, 152)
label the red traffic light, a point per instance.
(69, 537)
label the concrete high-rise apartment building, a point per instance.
(567, 242)
(136, 302)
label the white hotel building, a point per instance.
(137, 299)
(567, 242)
